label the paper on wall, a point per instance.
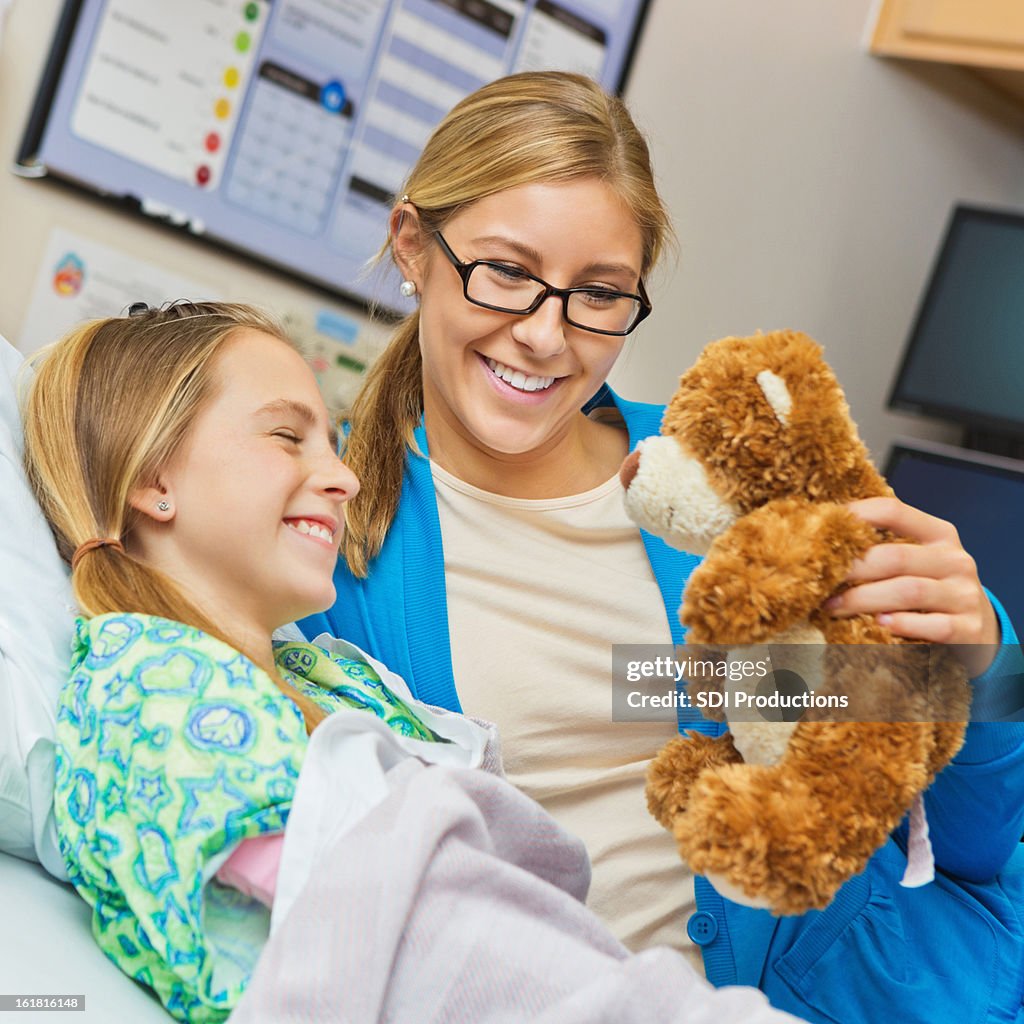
(336, 348)
(81, 279)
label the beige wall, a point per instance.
(809, 182)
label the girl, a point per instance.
(188, 468)
(490, 561)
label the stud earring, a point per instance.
(164, 506)
(408, 288)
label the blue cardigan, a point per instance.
(950, 951)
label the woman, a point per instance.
(489, 561)
(199, 517)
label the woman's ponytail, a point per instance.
(383, 418)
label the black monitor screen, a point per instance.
(983, 497)
(965, 357)
(284, 128)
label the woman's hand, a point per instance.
(928, 590)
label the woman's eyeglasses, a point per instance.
(507, 289)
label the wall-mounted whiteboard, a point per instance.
(283, 128)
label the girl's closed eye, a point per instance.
(288, 435)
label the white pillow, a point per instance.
(36, 623)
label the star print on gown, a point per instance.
(171, 748)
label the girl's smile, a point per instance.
(319, 530)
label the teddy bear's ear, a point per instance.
(775, 391)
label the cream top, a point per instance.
(538, 591)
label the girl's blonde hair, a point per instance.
(524, 129)
(109, 406)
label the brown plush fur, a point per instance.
(793, 832)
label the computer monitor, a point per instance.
(284, 128)
(964, 359)
(982, 496)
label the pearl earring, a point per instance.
(408, 288)
(164, 506)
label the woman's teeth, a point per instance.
(518, 379)
(313, 529)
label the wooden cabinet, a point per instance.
(985, 34)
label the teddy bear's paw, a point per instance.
(949, 738)
(730, 608)
(951, 695)
(672, 773)
(756, 836)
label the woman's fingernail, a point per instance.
(833, 603)
(884, 619)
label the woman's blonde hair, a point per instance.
(111, 404)
(524, 129)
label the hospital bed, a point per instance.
(47, 948)
(46, 945)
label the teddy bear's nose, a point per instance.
(629, 468)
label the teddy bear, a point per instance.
(754, 465)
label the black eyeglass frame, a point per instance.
(464, 270)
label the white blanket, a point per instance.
(420, 893)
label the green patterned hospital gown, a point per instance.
(172, 748)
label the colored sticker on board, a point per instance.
(69, 275)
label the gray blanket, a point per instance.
(457, 899)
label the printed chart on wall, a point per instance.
(284, 128)
(82, 279)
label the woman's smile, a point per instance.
(510, 383)
(518, 385)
